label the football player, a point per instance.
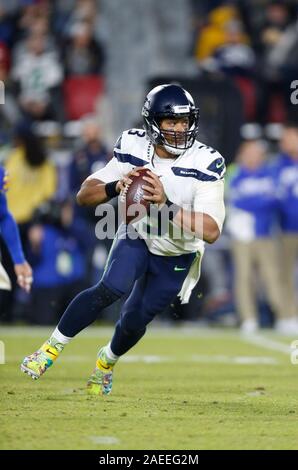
(10, 234)
(184, 175)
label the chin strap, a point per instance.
(175, 152)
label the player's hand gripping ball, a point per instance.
(133, 205)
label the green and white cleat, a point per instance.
(37, 363)
(101, 379)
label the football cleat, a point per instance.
(37, 363)
(101, 379)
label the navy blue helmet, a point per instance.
(172, 102)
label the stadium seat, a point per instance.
(277, 110)
(248, 92)
(81, 94)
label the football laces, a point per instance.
(123, 193)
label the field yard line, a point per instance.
(156, 331)
(103, 331)
(46, 331)
(104, 439)
(266, 343)
(195, 358)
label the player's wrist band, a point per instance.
(110, 189)
(174, 208)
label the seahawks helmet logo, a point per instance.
(145, 110)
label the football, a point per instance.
(133, 205)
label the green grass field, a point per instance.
(180, 388)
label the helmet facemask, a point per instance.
(174, 142)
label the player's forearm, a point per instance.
(198, 223)
(92, 192)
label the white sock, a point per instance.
(109, 353)
(59, 337)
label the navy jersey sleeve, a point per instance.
(10, 233)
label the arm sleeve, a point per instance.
(209, 199)
(111, 172)
(10, 232)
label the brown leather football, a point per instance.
(133, 206)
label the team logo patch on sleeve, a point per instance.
(217, 166)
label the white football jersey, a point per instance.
(194, 180)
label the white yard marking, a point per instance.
(196, 358)
(103, 439)
(45, 332)
(161, 330)
(256, 393)
(243, 360)
(267, 343)
(156, 330)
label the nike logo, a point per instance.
(179, 269)
(218, 165)
(50, 352)
(104, 367)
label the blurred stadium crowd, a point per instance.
(75, 74)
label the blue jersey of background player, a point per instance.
(10, 234)
(186, 176)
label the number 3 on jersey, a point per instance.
(137, 132)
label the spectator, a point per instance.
(39, 75)
(214, 34)
(83, 55)
(10, 235)
(283, 59)
(91, 156)
(33, 178)
(40, 28)
(288, 197)
(84, 10)
(235, 57)
(251, 221)
(7, 26)
(276, 19)
(57, 247)
(271, 52)
(30, 13)
(9, 112)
